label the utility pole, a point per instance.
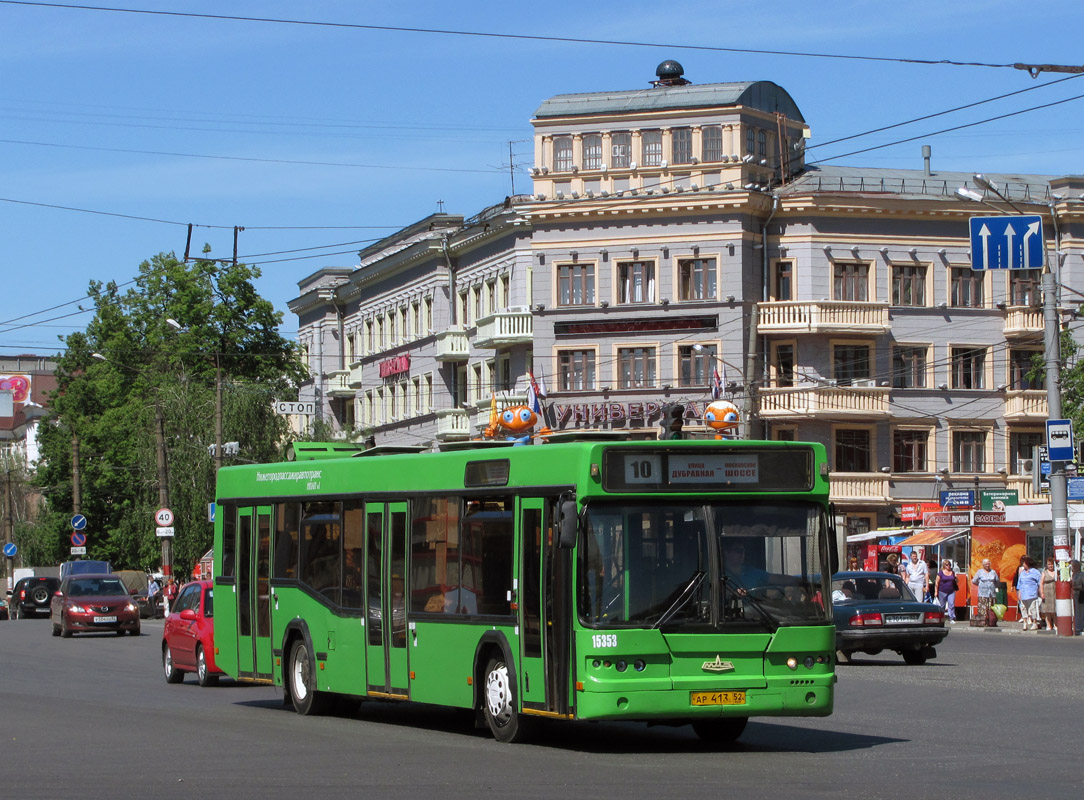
(218, 412)
(77, 477)
(1059, 503)
(9, 525)
(163, 483)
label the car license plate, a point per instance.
(900, 619)
(717, 698)
(102, 620)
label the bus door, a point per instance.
(254, 592)
(385, 601)
(544, 596)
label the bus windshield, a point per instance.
(689, 566)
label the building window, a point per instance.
(419, 399)
(966, 287)
(635, 282)
(696, 278)
(1023, 372)
(762, 143)
(428, 403)
(651, 144)
(908, 367)
(464, 308)
(427, 307)
(968, 367)
(909, 451)
(681, 145)
(1022, 446)
(370, 346)
(620, 150)
(459, 385)
(909, 286)
(478, 378)
(479, 299)
(592, 151)
(576, 284)
(636, 367)
(783, 365)
(751, 141)
(711, 143)
(505, 292)
(850, 363)
(1024, 287)
(500, 373)
(695, 366)
(852, 448)
(782, 281)
(562, 153)
(969, 451)
(575, 370)
(850, 282)
(785, 434)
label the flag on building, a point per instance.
(716, 384)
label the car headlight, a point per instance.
(132, 607)
(77, 609)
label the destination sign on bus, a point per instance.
(677, 470)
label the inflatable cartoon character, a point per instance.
(721, 415)
(517, 420)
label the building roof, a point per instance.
(870, 180)
(761, 95)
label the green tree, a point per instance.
(131, 366)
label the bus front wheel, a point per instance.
(301, 680)
(499, 704)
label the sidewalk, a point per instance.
(963, 626)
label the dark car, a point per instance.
(188, 639)
(875, 611)
(31, 596)
(93, 603)
(4, 614)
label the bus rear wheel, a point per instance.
(720, 731)
(301, 680)
(499, 704)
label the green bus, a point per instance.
(676, 582)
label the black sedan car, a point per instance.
(875, 611)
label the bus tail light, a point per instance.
(867, 620)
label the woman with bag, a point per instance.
(945, 590)
(986, 580)
(1046, 594)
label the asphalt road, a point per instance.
(994, 716)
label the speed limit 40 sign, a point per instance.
(163, 517)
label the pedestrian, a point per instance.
(945, 588)
(1046, 594)
(893, 560)
(917, 575)
(1028, 583)
(986, 580)
(152, 587)
(853, 565)
(171, 592)
(1077, 589)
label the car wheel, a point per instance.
(135, 631)
(173, 675)
(67, 634)
(301, 679)
(206, 678)
(720, 731)
(499, 704)
(914, 657)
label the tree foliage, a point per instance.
(128, 367)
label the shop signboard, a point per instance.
(998, 499)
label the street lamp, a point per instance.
(985, 183)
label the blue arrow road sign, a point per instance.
(79, 522)
(1059, 439)
(10, 549)
(1007, 242)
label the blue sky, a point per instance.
(414, 119)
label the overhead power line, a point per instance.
(1033, 69)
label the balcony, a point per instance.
(1023, 321)
(338, 384)
(355, 375)
(1025, 490)
(858, 487)
(824, 316)
(452, 344)
(1026, 405)
(453, 423)
(504, 329)
(826, 402)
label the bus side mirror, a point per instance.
(567, 524)
(837, 539)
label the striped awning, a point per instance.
(933, 536)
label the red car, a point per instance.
(92, 603)
(188, 640)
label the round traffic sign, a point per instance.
(10, 549)
(79, 522)
(79, 539)
(163, 517)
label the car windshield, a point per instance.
(690, 566)
(91, 587)
(864, 589)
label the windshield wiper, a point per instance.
(682, 598)
(741, 593)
